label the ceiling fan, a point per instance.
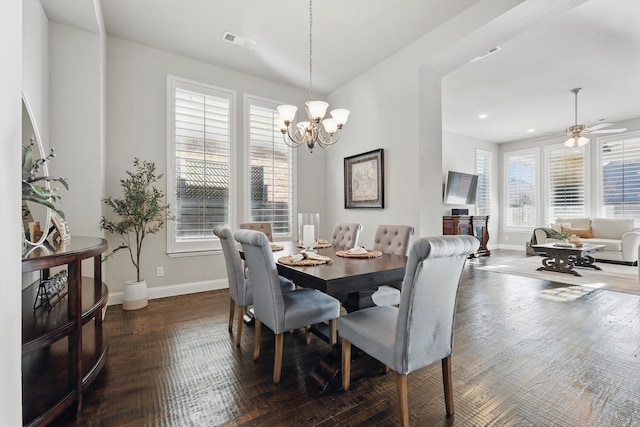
(576, 132)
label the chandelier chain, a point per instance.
(310, 51)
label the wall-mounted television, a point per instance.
(460, 188)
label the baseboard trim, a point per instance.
(175, 290)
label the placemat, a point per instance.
(286, 260)
(369, 254)
(276, 248)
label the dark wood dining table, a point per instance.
(352, 281)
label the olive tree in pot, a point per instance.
(140, 212)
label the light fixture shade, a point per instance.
(340, 115)
(317, 109)
(582, 141)
(330, 126)
(280, 123)
(569, 143)
(287, 112)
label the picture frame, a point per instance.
(364, 180)
(61, 228)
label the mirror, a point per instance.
(34, 213)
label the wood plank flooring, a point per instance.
(519, 360)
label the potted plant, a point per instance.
(140, 212)
(34, 187)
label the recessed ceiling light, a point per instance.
(239, 40)
(482, 116)
(531, 130)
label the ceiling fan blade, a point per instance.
(598, 126)
(609, 130)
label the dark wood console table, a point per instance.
(63, 349)
(477, 226)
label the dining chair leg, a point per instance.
(231, 310)
(333, 332)
(386, 369)
(239, 325)
(403, 400)
(256, 339)
(307, 334)
(277, 358)
(346, 364)
(448, 386)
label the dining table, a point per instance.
(351, 281)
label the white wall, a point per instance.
(517, 240)
(136, 127)
(76, 60)
(10, 152)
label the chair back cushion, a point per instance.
(263, 227)
(346, 235)
(393, 239)
(424, 330)
(238, 287)
(268, 303)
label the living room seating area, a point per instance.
(621, 238)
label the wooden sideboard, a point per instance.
(469, 225)
(63, 348)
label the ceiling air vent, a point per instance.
(487, 53)
(239, 40)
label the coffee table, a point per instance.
(562, 259)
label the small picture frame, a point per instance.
(364, 180)
(61, 233)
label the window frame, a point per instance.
(175, 248)
(488, 156)
(546, 182)
(535, 152)
(248, 100)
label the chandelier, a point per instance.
(317, 130)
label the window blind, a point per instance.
(621, 179)
(521, 188)
(271, 166)
(566, 190)
(483, 170)
(199, 181)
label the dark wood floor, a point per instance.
(519, 360)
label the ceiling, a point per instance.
(547, 48)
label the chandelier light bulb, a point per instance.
(340, 115)
(316, 110)
(330, 126)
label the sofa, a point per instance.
(620, 237)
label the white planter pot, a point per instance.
(135, 295)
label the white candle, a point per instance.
(308, 236)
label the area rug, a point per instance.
(612, 277)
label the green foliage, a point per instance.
(564, 235)
(34, 188)
(140, 211)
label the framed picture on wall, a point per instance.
(364, 180)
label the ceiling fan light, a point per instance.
(582, 141)
(570, 143)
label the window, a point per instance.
(620, 172)
(520, 173)
(200, 141)
(271, 167)
(566, 182)
(483, 170)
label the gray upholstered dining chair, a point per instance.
(420, 331)
(264, 227)
(240, 292)
(396, 240)
(281, 311)
(346, 235)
